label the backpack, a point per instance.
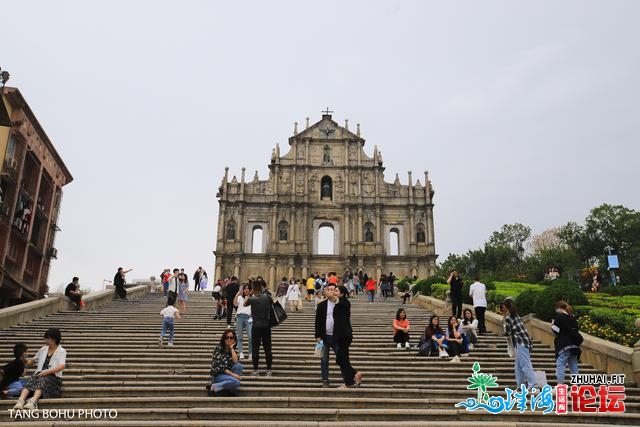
(426, 349)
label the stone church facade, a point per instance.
(324, 185)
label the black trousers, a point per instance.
(401, 337)
(456, 307)
(261, 335)
(454, 348)
(121, 292)
(482, 328)
(230, 308)
(342, 358)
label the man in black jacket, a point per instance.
(325, 331)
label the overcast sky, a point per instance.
(520, 111)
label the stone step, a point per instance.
(114, 364)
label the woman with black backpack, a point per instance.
(567, 341)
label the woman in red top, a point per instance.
(370, 286)
(401, 328)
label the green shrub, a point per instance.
(402, 286)
(525, 301)
(621, 290)
(439, 290)
(613, 318)
(544, 305)
(581, 310)
(424, 286)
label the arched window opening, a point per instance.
(394, 242)
(326, 188)
(420, 235)
(230, 233)
(283, 231)
(256, 239)
(368, 232)
(326, 236)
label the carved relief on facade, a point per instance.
(313, 186)
(353, 181)
(300, 183)
(368, 186)
(353, 154)
(285, 182)
(339, 186)
(301, 151)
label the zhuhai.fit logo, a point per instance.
(587, 393)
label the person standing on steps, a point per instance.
(514, 329)
(260, 304)
(324, 330)
(567, 340)
(232, 291)
(281, 292)
(478, 292)
(293, 295)
(455, 282)
(343, 334)
(168, 314)
(243, 320)
(119, 282)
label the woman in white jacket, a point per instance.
(47, 380)
(293, 294)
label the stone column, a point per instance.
(272, 274)
(430, 237)
(218, 273)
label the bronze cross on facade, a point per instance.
(327, 111)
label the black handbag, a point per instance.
(277, 314)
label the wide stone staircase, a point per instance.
(116, 374)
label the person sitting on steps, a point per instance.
(226, 370)
(401, 329)
(455, 339)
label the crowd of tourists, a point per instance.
(254, 307)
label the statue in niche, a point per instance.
(283, 234)
(231, 230)
(326, 155)
(420, 237)
(326, 189)
(368, 235)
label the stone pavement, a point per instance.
(114, 363)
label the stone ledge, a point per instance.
(23, 313)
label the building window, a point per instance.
(326, 188)
(394, 242)
(420, 235)
(256, 239)
(326, 239)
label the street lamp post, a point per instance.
(612, 261)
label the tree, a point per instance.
(510, 236)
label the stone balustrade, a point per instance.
(605, 355)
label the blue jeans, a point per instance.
(243, 324)
(370, 295)
(165, 288)
(227, 382)
(167, 325)
(565, 357)
(329, 342)
(523, 367)
(14, 389)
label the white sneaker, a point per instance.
(19, 404)
(470, 347)
(170, 344)
(456, 359)
(241, 356)
(399, 345)
(406, 344)
(464, 355)
(31, 404)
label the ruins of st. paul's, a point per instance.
(324, 185)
